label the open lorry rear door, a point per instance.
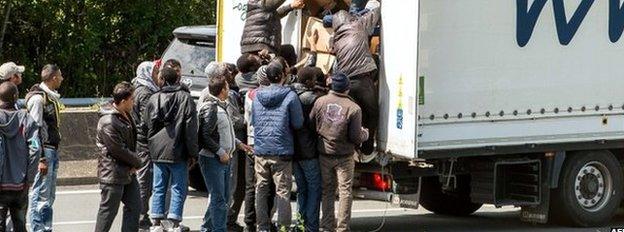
(399, 80)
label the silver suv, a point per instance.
(194, 47)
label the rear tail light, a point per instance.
(376, 181)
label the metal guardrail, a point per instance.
(76, 102)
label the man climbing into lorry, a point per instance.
(353, 58)
(263, 29)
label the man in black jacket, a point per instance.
(118, 162)
(171, 120)
(263, 29)
(306, 166)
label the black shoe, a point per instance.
(235, 227)
(250, 229)
(145, 223)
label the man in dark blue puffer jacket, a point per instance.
(276, 113)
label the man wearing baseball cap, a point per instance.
(12, 72)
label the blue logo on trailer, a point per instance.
(526, 18)
(399, 118)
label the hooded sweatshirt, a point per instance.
(21, 150)
(276, 112)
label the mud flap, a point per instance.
(407, 200)
(538, 213)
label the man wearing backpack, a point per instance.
(43, 103)
(19, 155)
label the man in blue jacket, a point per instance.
(276, 112)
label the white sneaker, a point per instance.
(176, 229)
(157, 229)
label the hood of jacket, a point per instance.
(168, 114)
(9, 123)
(144, 76)
(246, 81)
(273, 95)
(300, 88)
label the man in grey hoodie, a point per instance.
(18, 157)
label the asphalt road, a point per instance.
(76, 207)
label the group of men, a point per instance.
(294, 125)
(29, 141)
(261, 118)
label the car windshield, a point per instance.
(194, 56)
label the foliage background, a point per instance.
(97, 43)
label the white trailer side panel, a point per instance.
(398, 82)
(472, 64)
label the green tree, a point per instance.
(97, 43)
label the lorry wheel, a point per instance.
(456, 203)
(589, 189)
(196, 180)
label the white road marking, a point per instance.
(361, 211)
(78, 192)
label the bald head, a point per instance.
(8, 92)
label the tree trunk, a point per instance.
(5, 23)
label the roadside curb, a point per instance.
(69, 181)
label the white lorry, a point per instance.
(512, 102)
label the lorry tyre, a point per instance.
(196, 179)
(589, 189)
(456, 203)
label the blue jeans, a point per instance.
(217, 178)
(177, 174)
(43, 194)
(308, 179)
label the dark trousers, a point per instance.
(250, 193)
(15, 202)
(144, 176)
(112, 195)
(365, 94)
(238, 190)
